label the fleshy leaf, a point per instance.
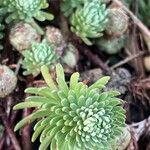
(31, 118)
(85, 117)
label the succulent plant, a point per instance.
(89, 21)
(54, 36)
(74, 116)
(26, 10)
(8, 81)
(71, 56)
(1, 130)
(117, 22)
(22, 35)
(111, 45)
(68, 6)
(40, 54)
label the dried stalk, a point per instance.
(11, 134)
(130, 58)
(140, 127)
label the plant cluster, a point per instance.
(85, 117)
(87, 18)
(40, 54)
(89, 21)
(94, 21)
(68, 6)
(38, 50)
(25, 10)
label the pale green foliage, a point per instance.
(1, 130)
(89, 21)
(40, 54)
(74, 116)
(25, 10)
(68, 6)
(111, 45)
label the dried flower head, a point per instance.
(8, 81)
(118, 22)
(74, 116)
(22, 35)
(54, 36)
